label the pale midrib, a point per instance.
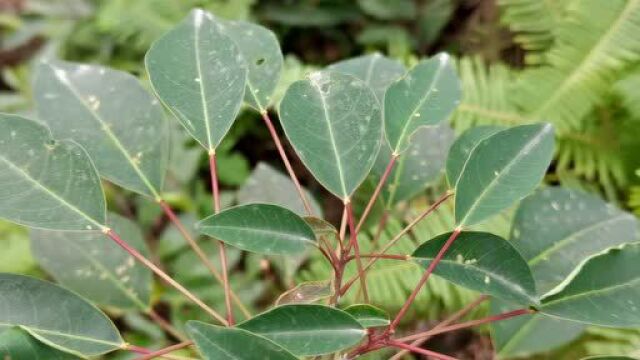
(51, 193)
(281, 235)
(571, 238)
(466, 161)
(518, 335)
(107, 130)
(61, 334)
(305, 332)
(205, 338)
(203, 96)
(367, 78)
(591, 292)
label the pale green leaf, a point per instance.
(17, 344)
(368, 316)
(463, 147)
(333, 121)
(501, 170)
(112, 116)
(199, 74)
(46, 183)
(56, 316)
(306, 293)
(375, 70)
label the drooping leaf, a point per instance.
(426, 95)
(333, 121)
(223, 343)
(556, 229)
(112, 116)
(199, 74)
(98, 269)
(502, 169)
(55, 316)
(376, 70)
(261, 228)
(306, 293)
(323, 229)
(307, 329)
(483, 262)
(268, 185)
(46, 183)
(17, 344)
(603, 291)
(463, 147)
(368, 316)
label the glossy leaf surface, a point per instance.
(376, 70)
(463, 147)
(368, 315)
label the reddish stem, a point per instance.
(167, 350)
(215, 190)
(285, 160)
(419, 350)
(165, 325)
(381, 256)
(146, 262)
(353, 235)
(381, 225)
(377, 191)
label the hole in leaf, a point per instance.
(260, 61)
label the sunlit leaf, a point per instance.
(17, 344)
(368, 315)
(375, 70)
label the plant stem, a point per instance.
(145, 351)
(343, 227)
(285, 160)
(377, 191)
(165, 325)
(215, 191)
(353, 235)
(380, 228)
(166, 350)
(381, 256)
(146, 262)
(423, 280)
(420, 350)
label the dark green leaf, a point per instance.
(463, 147)
(17, 344)
(375, 70)
(368, 316)
(389, 9)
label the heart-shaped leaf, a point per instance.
(482, 262)
(502, 169)
(426, 95)
(261, 228)
(223, 343)
(94, 267)
(46, 183)
(375, 70)
(556, 229)
(112, 116)
(199, 74)
(17, 344)
(56, 316)
(604, 291)
(463, 147)
(368, 316)
(307, 329)
(333, 121)
(306, 293)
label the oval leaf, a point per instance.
(17, 344)
(112, 116)
(375, 70)
(306, 293)
(199, 74)
(45, 183)
(307, 330)
(223, 343)
(482, 262)
(261, 228)
(426, 95)
(368, 316)
(556, 229)
(502, 169)
(463, 147)
(95, 268)
(604, 291)
(72, 325)
(333, 122)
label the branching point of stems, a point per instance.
(419, 350)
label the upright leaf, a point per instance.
(17, 344)
(368, 316)
(604, 291)
(483, 262)
(95, 268)
(46, 183)
(112, 116)
(426, 95)
(223, 343)
(56, 316)
(262, 228)
(376, 70)
(502, 169)
(556, 229)
(463, 147)
(307, 330)
(333, 121)
(199, 74)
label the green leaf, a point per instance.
(98, 269)
(376, 70)
(56, 316)
(556, 229)
(502, 169)
(307, 330)
(199, 74)
(463, 147)
(17, 344)
(260, 49)
(112, 116)
(46, 183)
(608, 358)
(368, 316)
(603, 291)
(261, 228)
(333, 121)
(389, 9)
(482, 262)
(306, 293)
(223, 343)
(426, 95)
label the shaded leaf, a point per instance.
(368, 315)
(376, 70)
(306, 293)
(463, 147)
(389, 9)
(17, 344)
